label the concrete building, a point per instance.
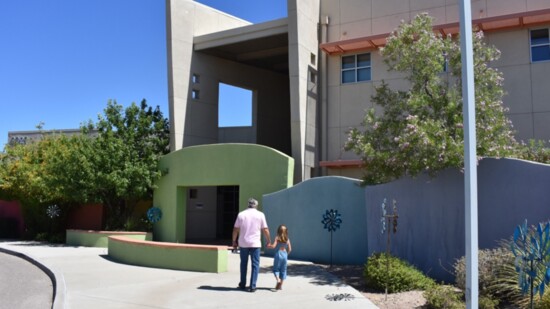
(24, 137)
(312, 74)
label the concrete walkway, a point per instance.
(88, 278)
(23, 284)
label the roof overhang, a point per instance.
(262, 45)
(524, 19)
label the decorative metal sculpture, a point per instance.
(532, 251)
(331, 220)
(53, 211)
(154, 214)
(392, 222)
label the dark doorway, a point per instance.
(228, 209)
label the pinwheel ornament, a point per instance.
(154, 214)
(331, 220)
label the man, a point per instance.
(249, 226)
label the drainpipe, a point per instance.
(323, 68)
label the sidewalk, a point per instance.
(88, 278)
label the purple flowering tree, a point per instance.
(420, 129)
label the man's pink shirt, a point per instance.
(250, 222)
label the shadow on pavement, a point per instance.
(23, 243)
(317, 275)
(228, 289)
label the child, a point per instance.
(282, 246)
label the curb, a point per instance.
(58, 281)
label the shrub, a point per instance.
(490, 263)
(544, 302)
(487, 302)
(534, 150)
(401, 276)
(498, 278)
(449, 297)
(444, 297)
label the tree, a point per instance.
(421, 129)
(114, 161)
(125, 157)
(40, 174)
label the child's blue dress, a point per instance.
(280, 260)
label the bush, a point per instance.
(487, 302)
(444, 297)
(449, 297)
(490, 263)
(498, 278)
(53, 238)
(401, 277)
(544, 302)
(534, 150)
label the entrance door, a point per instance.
(228, 209)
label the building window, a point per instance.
(356, 68)
(193, 193)
(312, 77)
(195, 94)
(540, 45)
(195, 79)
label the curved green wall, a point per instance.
(256, 169)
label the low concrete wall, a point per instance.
(169, 255)
(100, 238)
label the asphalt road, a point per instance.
(23, 284)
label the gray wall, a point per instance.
(431, 228)
(301, 209)
(270, 111)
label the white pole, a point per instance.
(470, 160)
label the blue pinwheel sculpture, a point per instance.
(154, 214)
(531, 248)
(331, 220)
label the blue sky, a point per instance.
(62, 60)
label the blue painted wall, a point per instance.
(301, 209)
(431, 226)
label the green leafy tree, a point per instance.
(125, 157)
(114, 161)
(46, 172)
(421, 129)
(21, 172)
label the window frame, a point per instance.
(355, 68)
(538, 45)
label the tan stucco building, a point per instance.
(312, 74)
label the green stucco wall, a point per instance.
(169, 256)
(256, 169)
(100, 238)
